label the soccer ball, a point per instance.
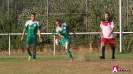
(57, 41)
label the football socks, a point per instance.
(69, 54)
(113, 51)
(28, 51)
(34, 55)
(103, 51)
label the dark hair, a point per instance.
(107, 13)
(57, 20)
(32, 14)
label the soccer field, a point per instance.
(58, 64)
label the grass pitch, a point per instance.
(58, 64)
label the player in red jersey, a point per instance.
(107, 28)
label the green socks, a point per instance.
(69, 54)
(34, 55)
(28, 51)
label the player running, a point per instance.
(62, 30)
(107, 28)
(31, 26)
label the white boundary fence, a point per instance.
(9, 34)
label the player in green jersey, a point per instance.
(32, 27)
(63, 31)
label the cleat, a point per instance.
(101, 57)
(72, 60)
(34, 59)
(113, 58)
(29, 58)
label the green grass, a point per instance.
(50, 64)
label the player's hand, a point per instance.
(101, 34)
(109, 35)
(40, 40)
(74, 35)
(22, 38)
(62, 36)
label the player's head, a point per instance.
(32, 16)
(57, 22)
(107, 16)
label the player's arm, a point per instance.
(58, 32)
(101, 34)
(39, 34)
(61, 35)
(23, 34)
(111, 31)
(74, 35)
(24, 30)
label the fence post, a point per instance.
(54, 44)
(127, 12)
(47, 15)
(86, 15)
(120, 20)
(9, 45)
(8, 8)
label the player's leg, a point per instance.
(112, 44)
(104, 41)
(34, 52)
(113, 51)
(67, 46)
(34, 42)
(28, 48)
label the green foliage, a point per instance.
(74, 12)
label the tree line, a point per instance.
(82, 16)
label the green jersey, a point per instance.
(64, 30)
(32, 28)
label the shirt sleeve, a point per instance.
(57, 31)
(101, 24)
(26, 25)
(112, 24)
(38, 26)
(65, 25)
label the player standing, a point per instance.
(32, 27)
(62, 30)
(107, 28)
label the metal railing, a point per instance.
(9, 34)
